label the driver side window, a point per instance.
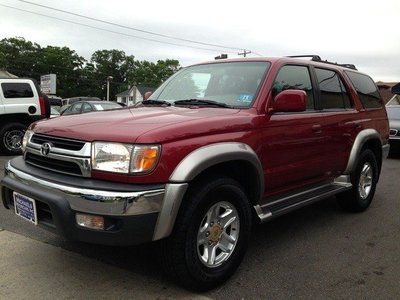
(294, 78)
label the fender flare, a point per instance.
(191, 166)
(207, 156)
(362, 137)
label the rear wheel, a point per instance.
(11, 136)
(210, 235)
(364, 180)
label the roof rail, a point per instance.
(318, 59)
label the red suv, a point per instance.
(218, 147)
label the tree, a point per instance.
(152, 74)
(19, 57)
(77, 76)
(64, 62)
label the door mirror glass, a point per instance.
(290, 101)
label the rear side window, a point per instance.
(366, 89)
(16, 90)
(294, 78)
(332, 89)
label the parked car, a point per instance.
(220, 146)
(393, 110)
(81, 107)
(69, 101)
(21, 103)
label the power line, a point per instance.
(112, 31)
(130, 28)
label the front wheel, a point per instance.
(210, 235)
(11, 136)
(364, 180)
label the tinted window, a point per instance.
(366, 89)
(294, 78)
(17, 90)
(87, 107)
(333, 91)
(76, 108)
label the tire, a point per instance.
(358, 199)
(11, 135)
(182, 257)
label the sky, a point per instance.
(364, 33)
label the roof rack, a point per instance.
(318, 59)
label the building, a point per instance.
(133, 95)
(385, 88)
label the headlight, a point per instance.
(26, 139)
(124, 158)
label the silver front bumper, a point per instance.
(95, 201)
(165, 202)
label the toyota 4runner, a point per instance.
(218, 147)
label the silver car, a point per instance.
(393, 110)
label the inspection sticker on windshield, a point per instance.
(245, 98)
(25, 207)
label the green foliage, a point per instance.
(77, 76)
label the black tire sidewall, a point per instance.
(196, 275)
(234, 195)
(3, 131)
(366, 156)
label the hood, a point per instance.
(125, 125)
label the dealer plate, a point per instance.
(25, 207)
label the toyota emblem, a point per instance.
(45, 149)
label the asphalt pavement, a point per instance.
(316, 252)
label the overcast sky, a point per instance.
(365, 33)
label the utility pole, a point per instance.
(109, 78)
(244, 53)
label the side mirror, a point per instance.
(290, 101)
(147, 95)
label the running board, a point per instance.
(291, 202)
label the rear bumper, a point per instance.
(131, 216)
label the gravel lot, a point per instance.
(316, 252)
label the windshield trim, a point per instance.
(256, 94)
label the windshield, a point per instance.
(232, 83)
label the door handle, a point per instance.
(317, 128)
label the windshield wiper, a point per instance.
(201, 102)
(153, 102)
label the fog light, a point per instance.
(90, 221)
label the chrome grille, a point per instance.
(58, 142)
(65, 156)
(61, 166)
